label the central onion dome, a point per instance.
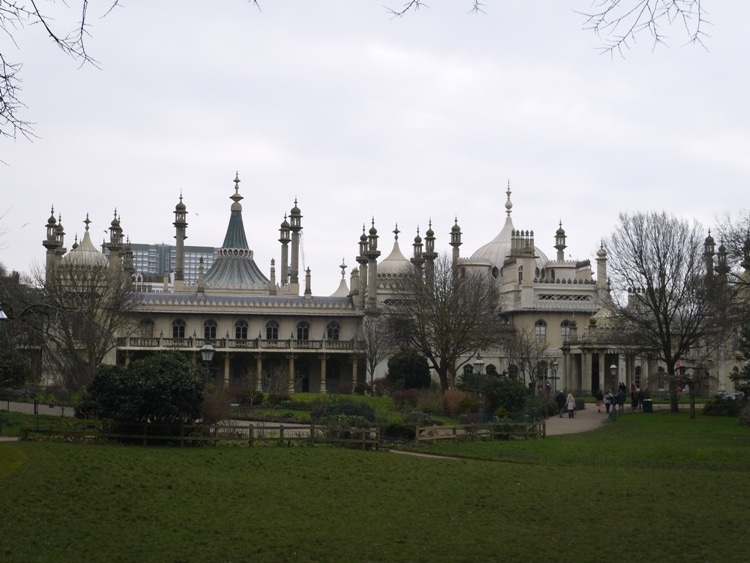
(85, 254)
(395, 265)
(497, 251)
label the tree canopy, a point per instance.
(165, 388)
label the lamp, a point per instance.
(478, 366)
(554, 373)
(207, 354)
(613, 374)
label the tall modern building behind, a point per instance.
(158, 259)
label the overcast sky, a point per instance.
(359, 115)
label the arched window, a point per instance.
(540, 331)
(272, 330)
(565, 330)
(468, 369)
(240, 330)
(520, 274)
(147, 328)
(178, 328)
(303, 330)
(332, 331)
(513, 371)
(209, 330)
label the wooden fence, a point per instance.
(488, 431)
(78, 430)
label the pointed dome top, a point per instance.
(234, 267)
(236, 197)
(343, 289)
(498, 249)
(180, 206)
(85, 254)
(395, 264)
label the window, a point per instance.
(332, 331)
(565, 330)
(240, 330)
(178, 328)
(147, 328)
(303, 330)
(638, 376)
(209, 330)
(520, 274)
(513, 371)
(272, 330)
(540, 331)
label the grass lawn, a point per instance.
(66, 502)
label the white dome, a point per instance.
(395, 265)
(497, 250)
(85, 254)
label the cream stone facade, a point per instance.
(270, 330)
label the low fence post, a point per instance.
(251, 436)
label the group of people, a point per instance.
(610, 399)
(566, 403)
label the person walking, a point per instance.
(560, 400)
(599, 398)
(608, 400)
(571, 402)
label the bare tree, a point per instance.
(619, 23)
(447, 317)
(526, 356)
(661, 292)
(70, 38)
(85, 308)
(373, 342)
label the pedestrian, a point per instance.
(571, 402)
(560, 400)
(620, 400)
(599, 399)
(608, 400)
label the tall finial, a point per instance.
(396, 232)
(87, 221)
(508, 203)
(343, 269)
(236, 182)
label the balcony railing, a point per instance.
(231, 344)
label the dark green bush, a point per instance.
(324, 408)
(407, 370)
(400, 431)
(745, 415)
(723, 407)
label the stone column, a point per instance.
(323, 368)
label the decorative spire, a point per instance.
(87, 221)
(236, 197)
(343, 269)
(396, 232)
(508, 203)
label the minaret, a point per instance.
(308, 288)
(418, 258)
(560, 243)
(372, 268)
(601, 268)
(295, 225)
(722, 268)
(455, 241)
(53, 243)
(284, 240)
(115, 245)
(708, 255)
(362, 260)
(429, 254)
(180, 225)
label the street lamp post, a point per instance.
(691, 383)
(478, 365)
(613, 374)
(554, 373)
(3, 322)
(207, 354)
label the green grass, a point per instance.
(64, 502)
(658, 438)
